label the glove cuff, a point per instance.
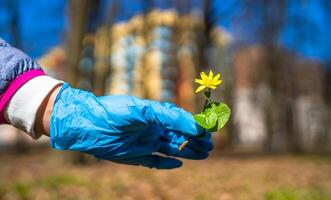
(22, 109)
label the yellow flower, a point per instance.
(209, 81)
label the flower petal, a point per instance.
(200, 88)
(203, 75)
(199, 81)
(211, 74)
(216, 77)
(216, 82)
(212, 87)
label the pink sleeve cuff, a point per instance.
(13, 87)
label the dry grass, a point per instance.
(46, 176)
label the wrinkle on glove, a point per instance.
(125, 129)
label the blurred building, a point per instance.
(280, 61)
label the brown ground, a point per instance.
(47, 176)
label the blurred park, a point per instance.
(274, 57)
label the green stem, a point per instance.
(208, 99)
(205, 105)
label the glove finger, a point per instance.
(171, 117)
(171, 149)
(153, 161)
(206, 136)
(201, 143)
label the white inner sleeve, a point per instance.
(22, 109)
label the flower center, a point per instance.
(208, 82)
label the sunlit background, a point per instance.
(275, 60)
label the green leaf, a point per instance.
(214, 116)
(223, 114)
(207, 119)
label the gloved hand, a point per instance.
(125, 129)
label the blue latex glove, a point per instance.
(125, 129)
